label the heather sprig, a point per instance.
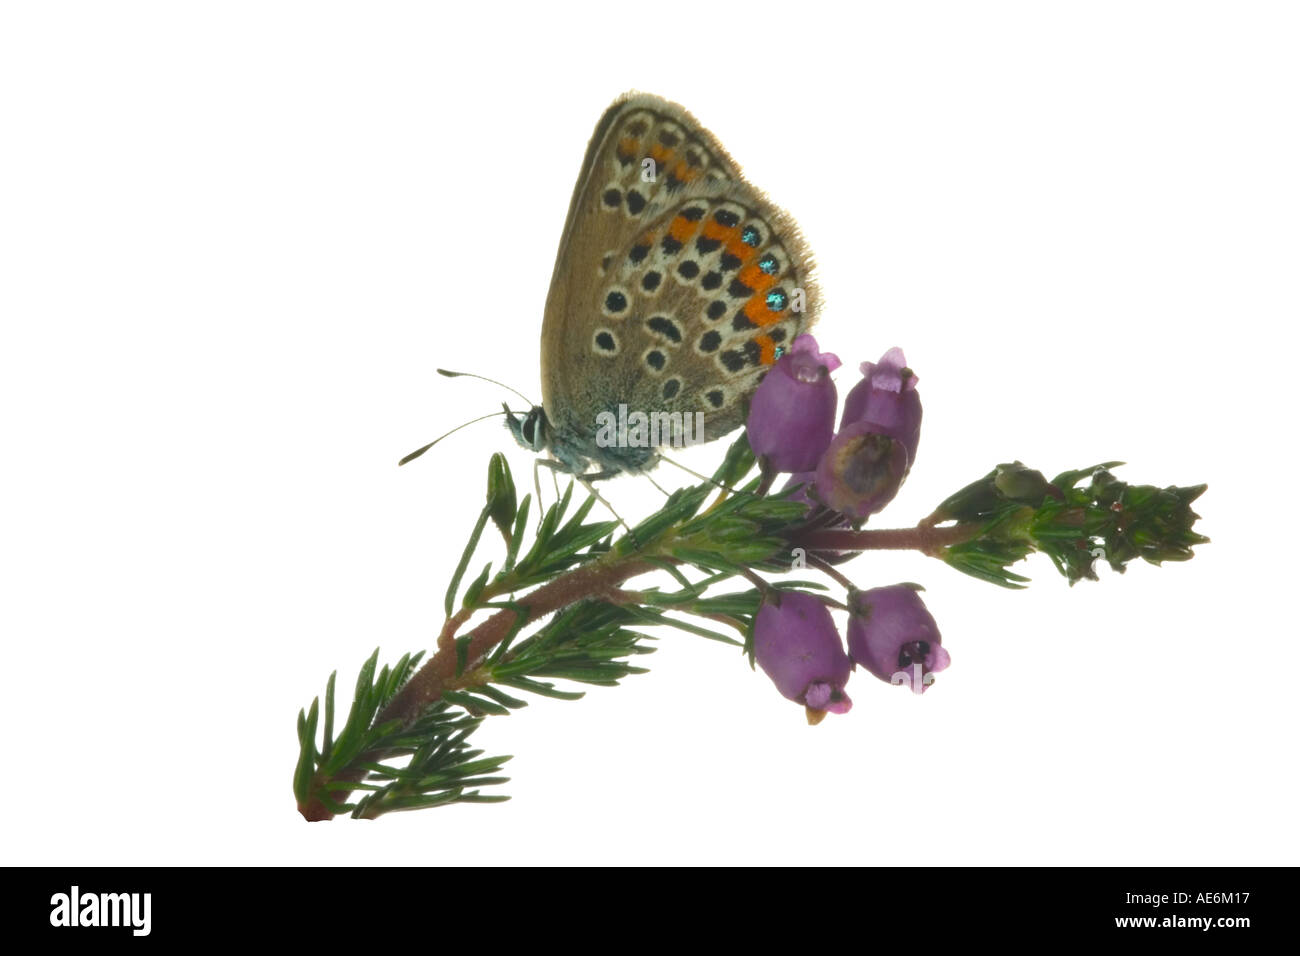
(552, 610)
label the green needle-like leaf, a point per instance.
(470, 547)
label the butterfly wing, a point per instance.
(675, 285)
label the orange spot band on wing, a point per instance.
(627, 147)
(741, 250)
(684, 172)
(715, 230)
(756, 278)
(660, 155)
(766, 349)
(682, 229)
(756, 311)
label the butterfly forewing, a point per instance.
(677, 284)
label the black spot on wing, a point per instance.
(666, 327)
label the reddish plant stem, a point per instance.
(594, 580)
(426, 686)
(926, 540)
(600, 579)
(830, 571)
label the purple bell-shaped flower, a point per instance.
(799, 648)
(861, 471)
(892, 635)
(887, 398)
(792, 413)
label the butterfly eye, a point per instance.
(533, 429)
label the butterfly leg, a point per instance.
(660, 487)
(706, 478)
(537, 487)
(586, 482)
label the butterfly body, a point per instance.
(575, 451)
(676, 286)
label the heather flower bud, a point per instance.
(861, 471)
(798, 647)
(792, 413)
(501, 500)
(892, 635)
(1012, 482)
(1023, 485)
(887, 398)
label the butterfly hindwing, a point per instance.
(695, 309)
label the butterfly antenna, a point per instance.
(420, 451)
(484, 378)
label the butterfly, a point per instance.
(676, 286)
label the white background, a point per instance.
(236, 239)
